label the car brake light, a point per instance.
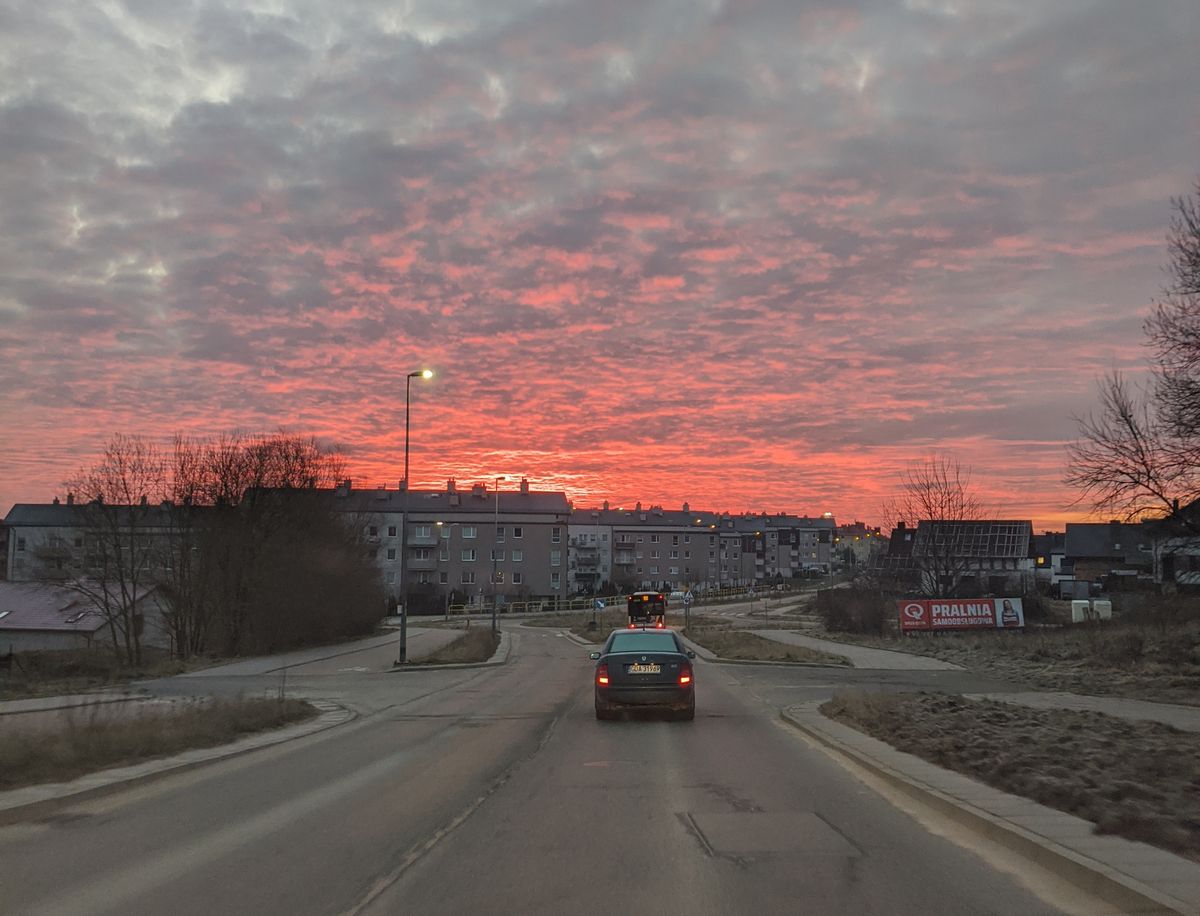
(633, 626)
(602, 675)
(659, 625)
(685, 675)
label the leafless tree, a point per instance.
(123, 520)
(937, 491)
(1138, 455)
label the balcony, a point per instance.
(422, 563)
(423, 540)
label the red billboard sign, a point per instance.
(961, 614)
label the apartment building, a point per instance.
(464, 546)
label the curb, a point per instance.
(1088, 874)
(499, 657)
(28, 802)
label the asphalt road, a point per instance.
(495, 791)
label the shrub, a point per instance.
(852, 610)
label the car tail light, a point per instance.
(659, 625)
(602, 675)
(685, 675)
(633, 626)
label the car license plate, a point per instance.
(637, 668)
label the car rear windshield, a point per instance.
(643, 642)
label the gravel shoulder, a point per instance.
(1135, 779)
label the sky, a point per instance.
(755, 255)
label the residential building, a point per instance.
(857, 544)
(457, 539)
(973, 557)
(1096, 551)
(39, 615)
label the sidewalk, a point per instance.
(861, 656)
(1133, 876)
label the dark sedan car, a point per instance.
(644, 669)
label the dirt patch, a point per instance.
(1125, 660)
(477, 644)
(94, 738)
(731, 643)
(1138, 780)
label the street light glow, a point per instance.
(426, 373)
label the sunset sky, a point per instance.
(748, 255)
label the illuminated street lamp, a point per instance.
(402, 658)
(495, 541)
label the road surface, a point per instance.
(496, 791)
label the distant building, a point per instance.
(41, 615)
(858, 544)
(457, 538)
(976, 557)
(1094, 552)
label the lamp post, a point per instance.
(495, 542)
(402, 657)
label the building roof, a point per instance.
(78, 515)
(977, 538)
(724, 523)
(41, 606)
(1107, 540)
(448, 502)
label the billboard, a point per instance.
(961, 614)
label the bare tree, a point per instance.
(937, 492)
(1139, 454)
(123, 519)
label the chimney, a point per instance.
(685, 508)
(524, 484)
(56, 500)
(606, 505)
(143, 501)
(479, 490)
(450, 486)
(403, 484)
(638, 507)
(70, 499)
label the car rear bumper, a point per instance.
(670, 696)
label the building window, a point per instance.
(555, 580)
(423, 578)
(518, 556)
(674, 539)
(604, 536)
(20, 545)
(653, 554)
(423, 531)
(556, 558)
(444, 554)
(391, 531)
(687, 539)
(498, 555)
(500, 534)
(391, 554)
(674, 554)
(516, 531)
(641, 538)
(419, 553)
(654, 539)
(654, 570)
(687, 554)
(373, 531)
(674, 571)
(518, 578)
(391, 578)
(555, 535)
(445, 529)
(444, 578)
(468, 577)
(468, 556)
(469, 531)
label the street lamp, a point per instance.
(402, 658)
(495, 542)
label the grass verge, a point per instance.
(606, 621)
(1137, 780)
(1114, 659)
(96, 737)
(52, 673)
(477, 644)
(731, 643)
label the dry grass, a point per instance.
(731, 643)
(95, 737)
(1117, 659)
(52, 673)
(477, 644)
(1138, 780)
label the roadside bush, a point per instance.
(851, 610)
